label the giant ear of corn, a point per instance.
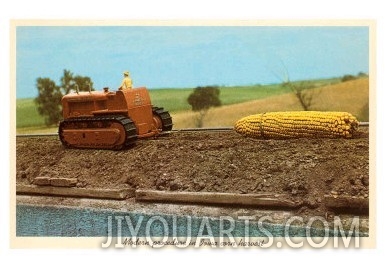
(297, 124)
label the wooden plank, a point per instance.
(42, 181)
(55, 181)
(115, 194)
(346, 202)
(261, 200)
(63, 182)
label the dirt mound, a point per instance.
(304, 169)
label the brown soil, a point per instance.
(304, 169)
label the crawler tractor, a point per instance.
(110, 119)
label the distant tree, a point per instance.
(67, 81)
(48, 100)
(70, 82)
(84, 83)
(49, 94)
(202, 99)
(362, 75)
(347, 78)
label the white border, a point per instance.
(188, 10)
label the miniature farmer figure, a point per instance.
(127, 81)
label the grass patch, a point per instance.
(27, 114)
(171, 99)
(42, 129)
(175, 100)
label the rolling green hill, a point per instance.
(351, 96)
(234, 99)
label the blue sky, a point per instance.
(188, 56)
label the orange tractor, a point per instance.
(110, 120)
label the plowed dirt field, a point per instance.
(223, 161)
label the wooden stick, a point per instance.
(115, 194)
(263, 200)
(346, 202)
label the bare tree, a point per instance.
(300, 89)
(302, 92)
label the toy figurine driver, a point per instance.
(127, 81)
